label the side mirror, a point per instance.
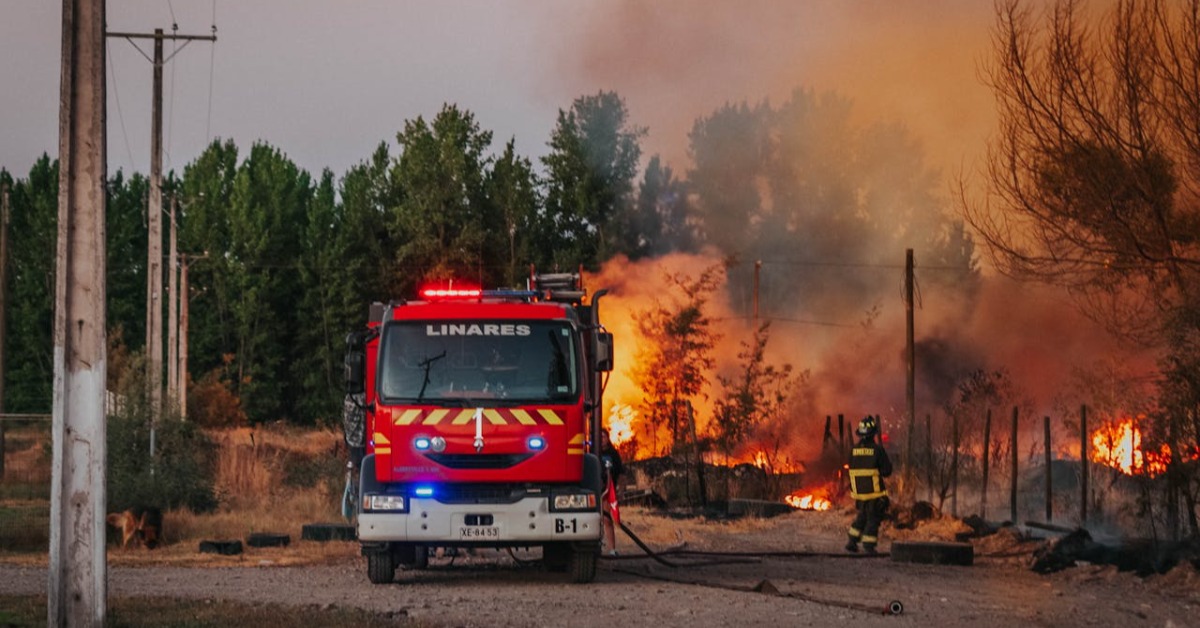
(604, 351)
(355, 370)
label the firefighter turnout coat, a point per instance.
(869, 464)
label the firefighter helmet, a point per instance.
(867, 427)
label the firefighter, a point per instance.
(869, 464)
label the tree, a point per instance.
(729, 150)
(204, 234)
(443, 226)
(322, 261)
(125, 232)
(1092, 179)
(800, 183)
(662, 221)
(589, 182)
(269, 201)
(675, 353)
(512, 189)
(755, 397)
(30, 300)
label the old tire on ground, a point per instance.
(556, 556)
(583, 564)
(224, 548)
(327, 532)
(268, 539)
(381, 569)
(933, 553)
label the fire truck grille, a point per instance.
(479, 494)
(479, 461)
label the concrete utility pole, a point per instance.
(154, 351)
(77, 588)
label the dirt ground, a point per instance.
(495, 589)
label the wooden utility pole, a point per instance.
(154, 257)
(182, 370)
(909, 363)
(173, 313)
(757, 269)
(77, 588)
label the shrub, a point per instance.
(212, 404)
(179, 474)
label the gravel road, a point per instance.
(825, 587)
(492, 590)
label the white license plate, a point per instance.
(478, 532)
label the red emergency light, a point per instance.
(450, 292)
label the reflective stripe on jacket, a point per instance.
(869, 464)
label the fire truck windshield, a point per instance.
(462, 361)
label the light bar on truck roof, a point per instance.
(451, 293)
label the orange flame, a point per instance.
(620, 423)
(808, 502)
(1119, 445)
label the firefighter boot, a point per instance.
(852, 545)
(869, 549)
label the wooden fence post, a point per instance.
(1083, 466)
(954, 465)
(987, 441)
(1013, 492)
(1049, 475)
(929, 455)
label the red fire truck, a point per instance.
(482, 418)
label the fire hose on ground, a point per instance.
(894, 607)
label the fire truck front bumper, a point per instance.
(529, 520)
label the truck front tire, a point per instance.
(381, 567)
(583, 563)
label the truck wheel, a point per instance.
(381, 569)
(556, 556)
(583, 564)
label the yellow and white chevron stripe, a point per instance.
(494, 416)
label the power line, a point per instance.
(112, 69)
(812, 263)
(784, 320)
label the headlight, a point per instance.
(573, 501)
(394, 503)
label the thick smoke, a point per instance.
(911, 60)
(908, 72)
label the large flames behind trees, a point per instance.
(1120, 444)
